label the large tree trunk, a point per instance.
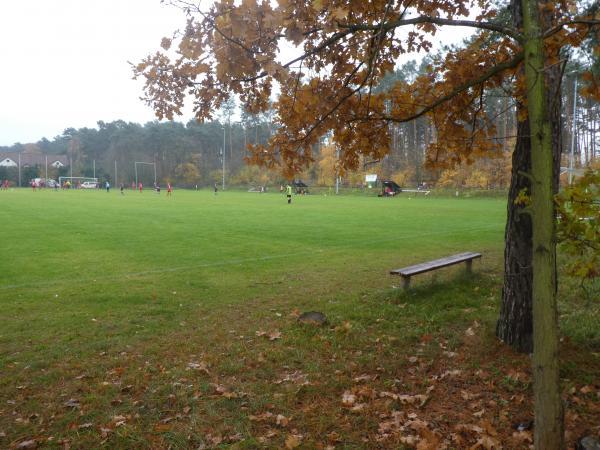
(515, 325)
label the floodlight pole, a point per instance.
(573, 119)
(337, 174)
(116, 173)
(154, 164)
(223, 157)
(19, 169)
(94, 163)
(46, 173)
(136, 178)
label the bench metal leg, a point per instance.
(406, 283)
(470, 266)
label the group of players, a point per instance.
(35, 185)
(140, 187)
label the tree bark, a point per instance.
(515, 325)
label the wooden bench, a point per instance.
(428, 266)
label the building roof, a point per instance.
(33, 159)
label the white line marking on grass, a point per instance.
(232, 262)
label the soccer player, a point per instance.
(169, 190)
(107, 185)
(122, 188)
(288, 191)
(216, 188)
(140, 186)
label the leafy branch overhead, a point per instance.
(343, 50)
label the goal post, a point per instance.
(62, 180)
(147, 164)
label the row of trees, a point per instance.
(190, 154)
(187, 154)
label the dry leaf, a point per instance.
(487, 443)
(358, 407)
(274, 335)
(72, 403)
(201, 366)
(468, 395)
(348, 398)
(292, 441)
(261, 417)
(32, 443)
(281, 420)
(362, 378)
(523, 437)
(344, 327)
(162, 427)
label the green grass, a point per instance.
(108, 298)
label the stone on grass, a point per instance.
(588, 443)
(313, 318)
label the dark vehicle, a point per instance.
(300, 187)
(389, 188)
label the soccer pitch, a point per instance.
(67, 253)
(68, 239)
(90, 281)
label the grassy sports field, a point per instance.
(141, 321)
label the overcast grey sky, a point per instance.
(64, 62)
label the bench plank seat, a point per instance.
(407, 272)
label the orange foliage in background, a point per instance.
(346, 47)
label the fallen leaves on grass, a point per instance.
(522, 437)
(406, 399)
(348, 398)
(273, 335)
(281, 420)
(293, 441)
(345, 327)
(364, 378)
(199, 366)
(225, 392)
(295, 377)
(31, 443)
(119, 421)
(72, 403)
(162, 427)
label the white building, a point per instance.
(7, 162)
